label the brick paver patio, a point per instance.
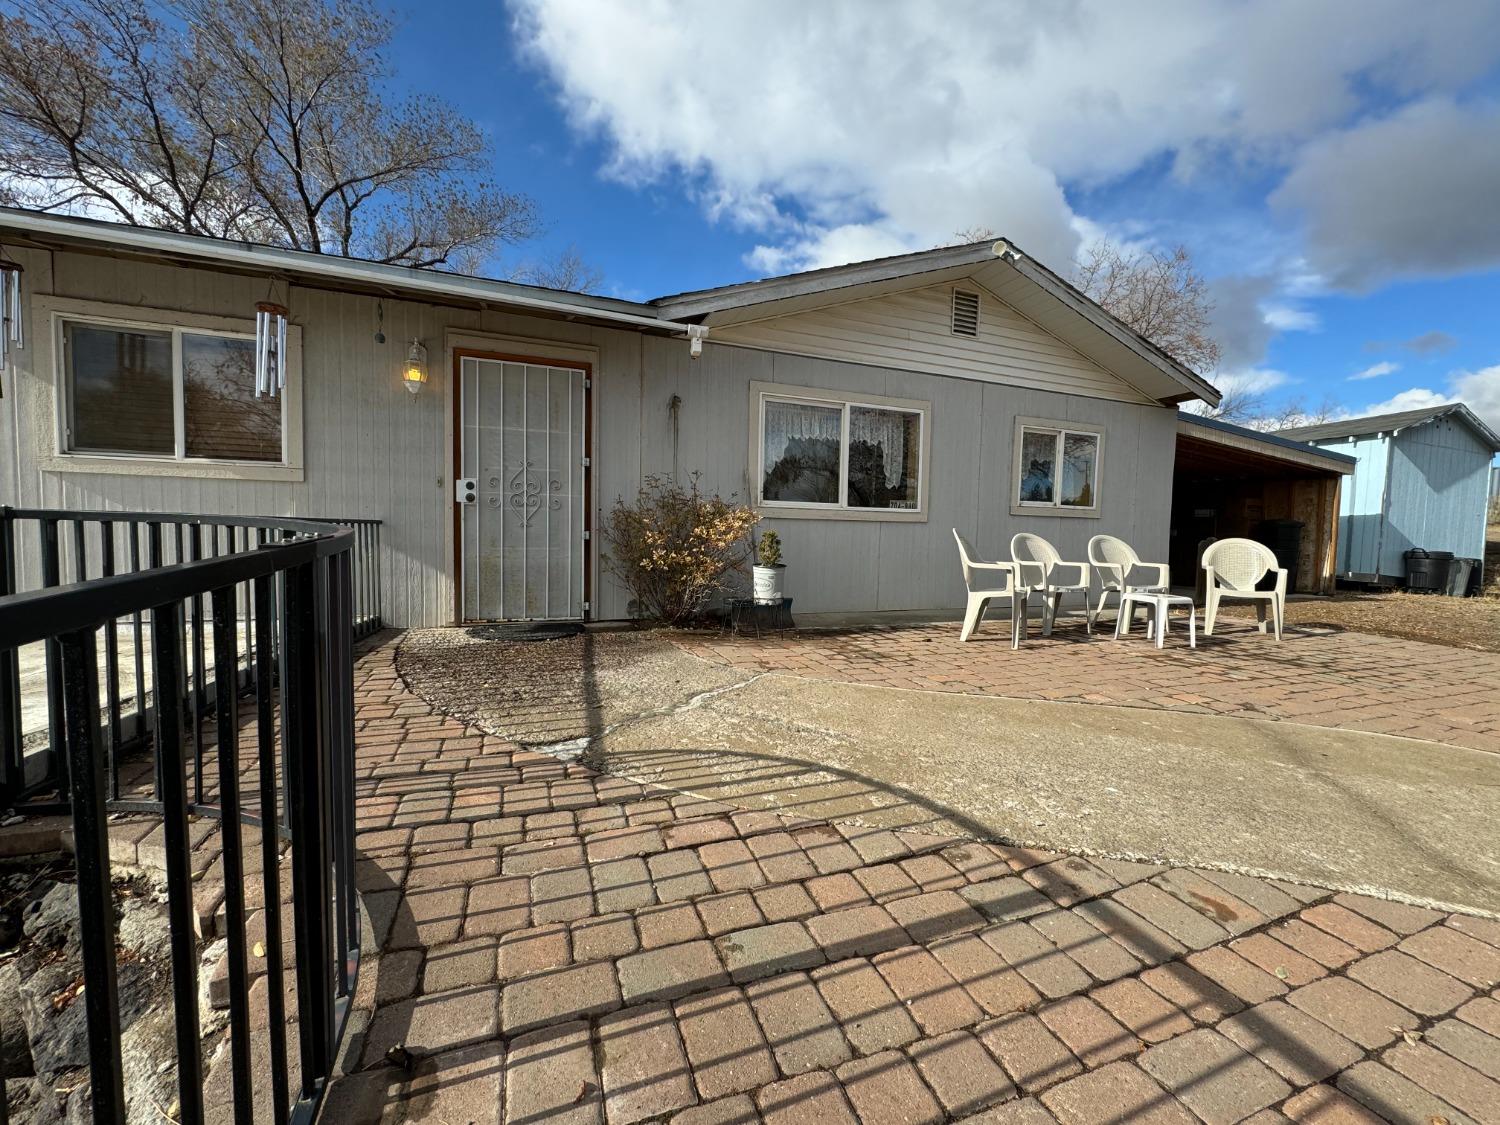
(1324, 677)
(562, 946)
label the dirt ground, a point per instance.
(1455, 622)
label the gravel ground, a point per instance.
(545, 692)
(1455, 622)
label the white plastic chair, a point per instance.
(1232, 568)
(1039, 567)
(986, 581)
(1119, 569)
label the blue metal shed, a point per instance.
(1421, 480)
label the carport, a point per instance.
(1229, 481)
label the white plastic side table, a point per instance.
(1158, 603)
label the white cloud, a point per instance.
(1376, 370)
(1416, 398)
(1408, 195)
(844, 129)
(1478, 390)
(1289, 318)
(1252, 381)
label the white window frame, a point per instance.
(1059, 430)
(62, 311)
(761, 393)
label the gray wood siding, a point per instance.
(838, 565)
(912, 332)
(373, 450)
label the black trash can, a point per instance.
(1284, 537)
(1442, 569)
(1421, 576)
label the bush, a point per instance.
(674, 547)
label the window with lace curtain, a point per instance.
(814, 450)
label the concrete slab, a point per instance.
(1336, 808)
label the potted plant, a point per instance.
(769, 570)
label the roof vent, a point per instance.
(965, 313)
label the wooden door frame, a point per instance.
(459, 355)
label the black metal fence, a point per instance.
(273, 610)
(43, 548)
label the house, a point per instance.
(1232, 482)
(865, 410)
(1421, 479)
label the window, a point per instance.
(857, 455)
(1057, 468)
(167, 393)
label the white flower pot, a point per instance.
(768, 584)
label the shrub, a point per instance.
(674, 547)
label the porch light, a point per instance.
(414, 374)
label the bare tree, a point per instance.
(1247, 409)
(1159, 294)
(255, 119)
(969, 235)
(567, 271)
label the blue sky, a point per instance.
(1333, 167)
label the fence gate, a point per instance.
(522, 445)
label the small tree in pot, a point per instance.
(769, 570)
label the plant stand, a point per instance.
(777, 615)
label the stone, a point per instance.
(886, 1088)
(1091, 1033)
(15, 1049)
(724, 1042)
(803, 1099)
(798, 1025)
(767, 950)
(550, 1076)
(51, 920)
(866, 1008)
(1213, 1077)
(642, 1063)
(856, 932)
(1031, 1055)
(670, 972)
(1006, 899)
(935, 1000)
(963, 1075)
(558, 995)
(1114, 1093)
(1299, 1048)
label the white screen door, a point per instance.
(522, 429)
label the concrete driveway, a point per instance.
(1345, 809)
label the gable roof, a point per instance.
(1393, 423)
(1022, 283)
(1025, 285)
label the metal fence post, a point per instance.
(307, 791)
(96, 904)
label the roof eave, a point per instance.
(189, 249)
(702, 303)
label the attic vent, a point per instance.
(965, 313)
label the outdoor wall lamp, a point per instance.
(414, 373)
